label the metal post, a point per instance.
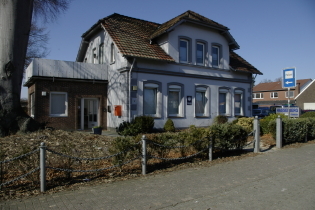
(144, 155)
(288, 102)
(210, 148)
(42, 165)
(257, 135)
(279, 132)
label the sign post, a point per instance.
(289, 81)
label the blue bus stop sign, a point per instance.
(288, 78)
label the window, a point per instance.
(201, 101)
(175, 95)
(101, 58)
(94, 56)
(224, 96)
(200, 53)
(152, 99)
(274, 95)
(183, 51)
(258, 95)
(32, 108)
(291, 94)
(112, 53)
(215, 56)
(238, 102)
(58, 104)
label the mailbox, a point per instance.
(117, 111)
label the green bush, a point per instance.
(220, 119)
(141, 124)
(126, 144)
(246, 123)
(228, 136)
(308, 114)
(169, 126)
(265, 122)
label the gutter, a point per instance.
(129, 90)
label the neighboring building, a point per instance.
(306, 99)
(272, 93)
(184, 69)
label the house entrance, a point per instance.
(90, 113)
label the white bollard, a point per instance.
(144, 155)
(256, 135)
(42, 166)
(279, 132)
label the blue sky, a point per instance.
(272, 34)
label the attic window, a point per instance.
(183, 51)
(112, 53)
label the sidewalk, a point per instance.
(279, 179)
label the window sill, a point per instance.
(112, 63)
(58, 115)
(202, 116)
(175, 116)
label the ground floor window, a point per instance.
(224, 96)
(201, 101)
(175, 100)
(238, 102)
(32, 107)
(58, 104)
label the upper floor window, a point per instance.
(58, 104)
(200, 53)
(183, 50)
(238, 102)
(152, 99)
(101, 58)
(291, 94)
(258, 95)
(201, 101)
(215, 56)
(175, 105)
(94, 56)
(112, 53)
(274, 95)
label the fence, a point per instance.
(43, 149)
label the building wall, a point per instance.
(307, 96)
(281, 97)
(75, 91)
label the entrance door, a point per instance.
(92, 108)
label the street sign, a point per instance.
(288, 78)
(293, 111)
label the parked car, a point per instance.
(261, 113)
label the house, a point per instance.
(184, 69)
(272, 93)
(306, 98)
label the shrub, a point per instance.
(308, 114)
(126, 144)
(227, 136)
(220, 119)
(246, 123)
(141, 124)
(265, 122)
(169, 126)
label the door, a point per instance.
(92, 109)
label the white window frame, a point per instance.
(101, 57)
(225, 91)
(203, 53)
(205, 90)
(158, 99)
(239, 92)
(66, 104)
(32, 105)
(261, 95)
(175, 88)
(112, 53)
(215, 65)
(291, 94)
(187, 51)
(274, 95)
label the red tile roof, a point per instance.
(133, 37)
(270, 86)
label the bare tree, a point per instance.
(15, 24)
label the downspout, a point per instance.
(129, 90)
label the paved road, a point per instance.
(280, 179)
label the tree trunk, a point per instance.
(15, 23)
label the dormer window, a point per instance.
(101, 58)
(183, 51)
(94, 56)
(200, 53)
(215, 56)
(112, 53)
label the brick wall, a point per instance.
(75, 90)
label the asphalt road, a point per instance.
(279, 179)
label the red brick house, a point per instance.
(272, 93)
